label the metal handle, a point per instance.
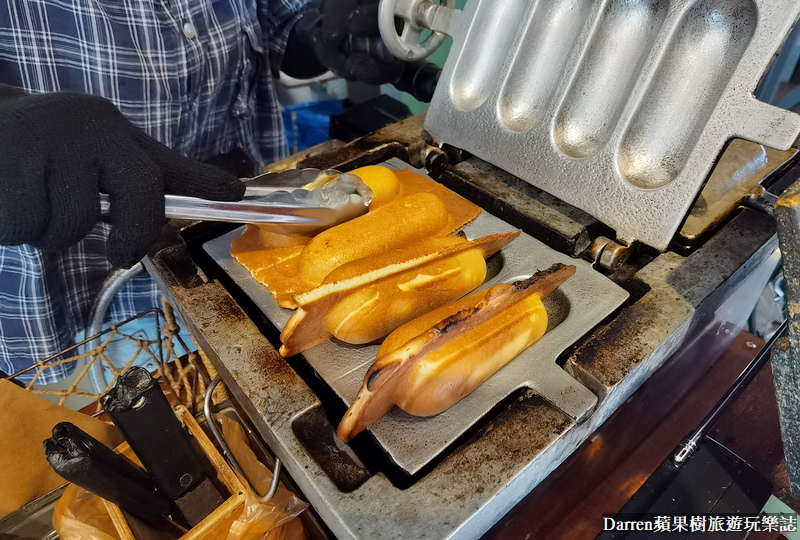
(417, 16)
(244, 211)
(688, 448)
(275, 200)
(212, 425)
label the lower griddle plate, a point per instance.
(574, 309)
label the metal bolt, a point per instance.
(751, 345)
(685, 453)
(455, 155)
(613, 255)
(597, 247)
(436, 162)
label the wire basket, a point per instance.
(183, 377)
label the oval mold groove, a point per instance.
(700, 59)
(487, 44)
(595, 100)
(541, 61)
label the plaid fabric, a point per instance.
(195, 74)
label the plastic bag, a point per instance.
(82, 515)
(274, 520)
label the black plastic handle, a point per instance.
(83, 460)
(141, 411)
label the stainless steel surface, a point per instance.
(574, 309)
(34, 520)
(267, 202)
(290, 180)
(619, 108)
(212, 425)
(417, 15)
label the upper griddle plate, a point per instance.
(618, 107)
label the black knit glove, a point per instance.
(59, 151)
(343, 36)
(346, 39)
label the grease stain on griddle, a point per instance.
(616, 349)
(525, 428)
(252, 361)
(227, 307)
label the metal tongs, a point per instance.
(297, 202)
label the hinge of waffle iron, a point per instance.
(607, 254)
(554, 222)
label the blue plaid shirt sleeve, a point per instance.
(198, 75)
